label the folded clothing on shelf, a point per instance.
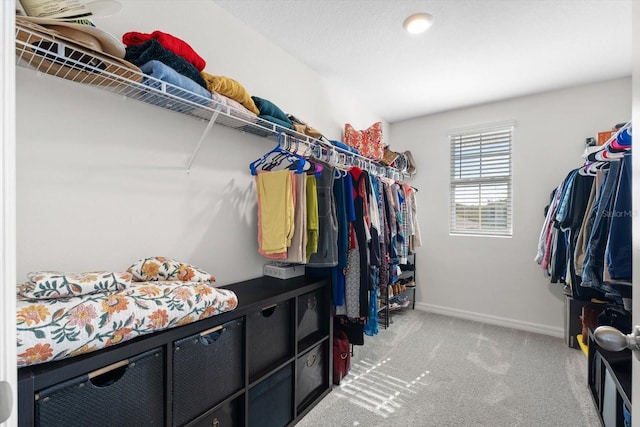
(271, 112)
(169, 42)
(180, 86)
(151, 49)
(232, 89)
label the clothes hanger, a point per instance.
(315, 168)
(276, 157)
(311, 150)
(329, 155)
(615, 147)
(587, 170)
(590, 169)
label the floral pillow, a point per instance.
(368, 142)
(161, 268)
(56, 284)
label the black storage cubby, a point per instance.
(243, 367)
(312, 376)
(609, 379)
(269, 342)
(572, 321)
(270, 401)
(207, 368)
(130, 392)
(310, 314)
(228, 414)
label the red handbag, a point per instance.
(341, 355)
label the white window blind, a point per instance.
(480, 187)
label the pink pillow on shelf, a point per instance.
(368, 142)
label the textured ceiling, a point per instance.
(477, 51)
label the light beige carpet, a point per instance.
(431, 370)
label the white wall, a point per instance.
(101, 180)
(496, 279)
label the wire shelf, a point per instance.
(48, 54)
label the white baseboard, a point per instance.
(492, 320)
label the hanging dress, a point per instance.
(327, 254)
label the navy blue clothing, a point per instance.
(343, 238)
(593, 268)
(576, 201)
(619, 245)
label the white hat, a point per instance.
(107, 43)
(82, 57)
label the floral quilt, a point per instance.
(58, 328)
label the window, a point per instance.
(480, 187)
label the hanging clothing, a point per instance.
(275, 212)
(345, 214)
(392, 220)
(383, 271)
(374, 223)
(585, 228)
(585, 241)
(403, 219)
(592, 269)
(574, 207)
(352, 301)
(341, 187)
(313, 222)
(297, 251)
(619, 245)
(327, 253)
(546, 235)
(416, 241)
(371, 326)
(360, 227)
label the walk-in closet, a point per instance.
(341, 213)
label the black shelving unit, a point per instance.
(407, 278)
(609, 380)
(266, 363)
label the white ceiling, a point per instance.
(477, 51)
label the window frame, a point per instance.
(489, 173)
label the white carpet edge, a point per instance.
(492, 320)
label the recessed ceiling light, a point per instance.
(418, 23)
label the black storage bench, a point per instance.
(239, 368)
